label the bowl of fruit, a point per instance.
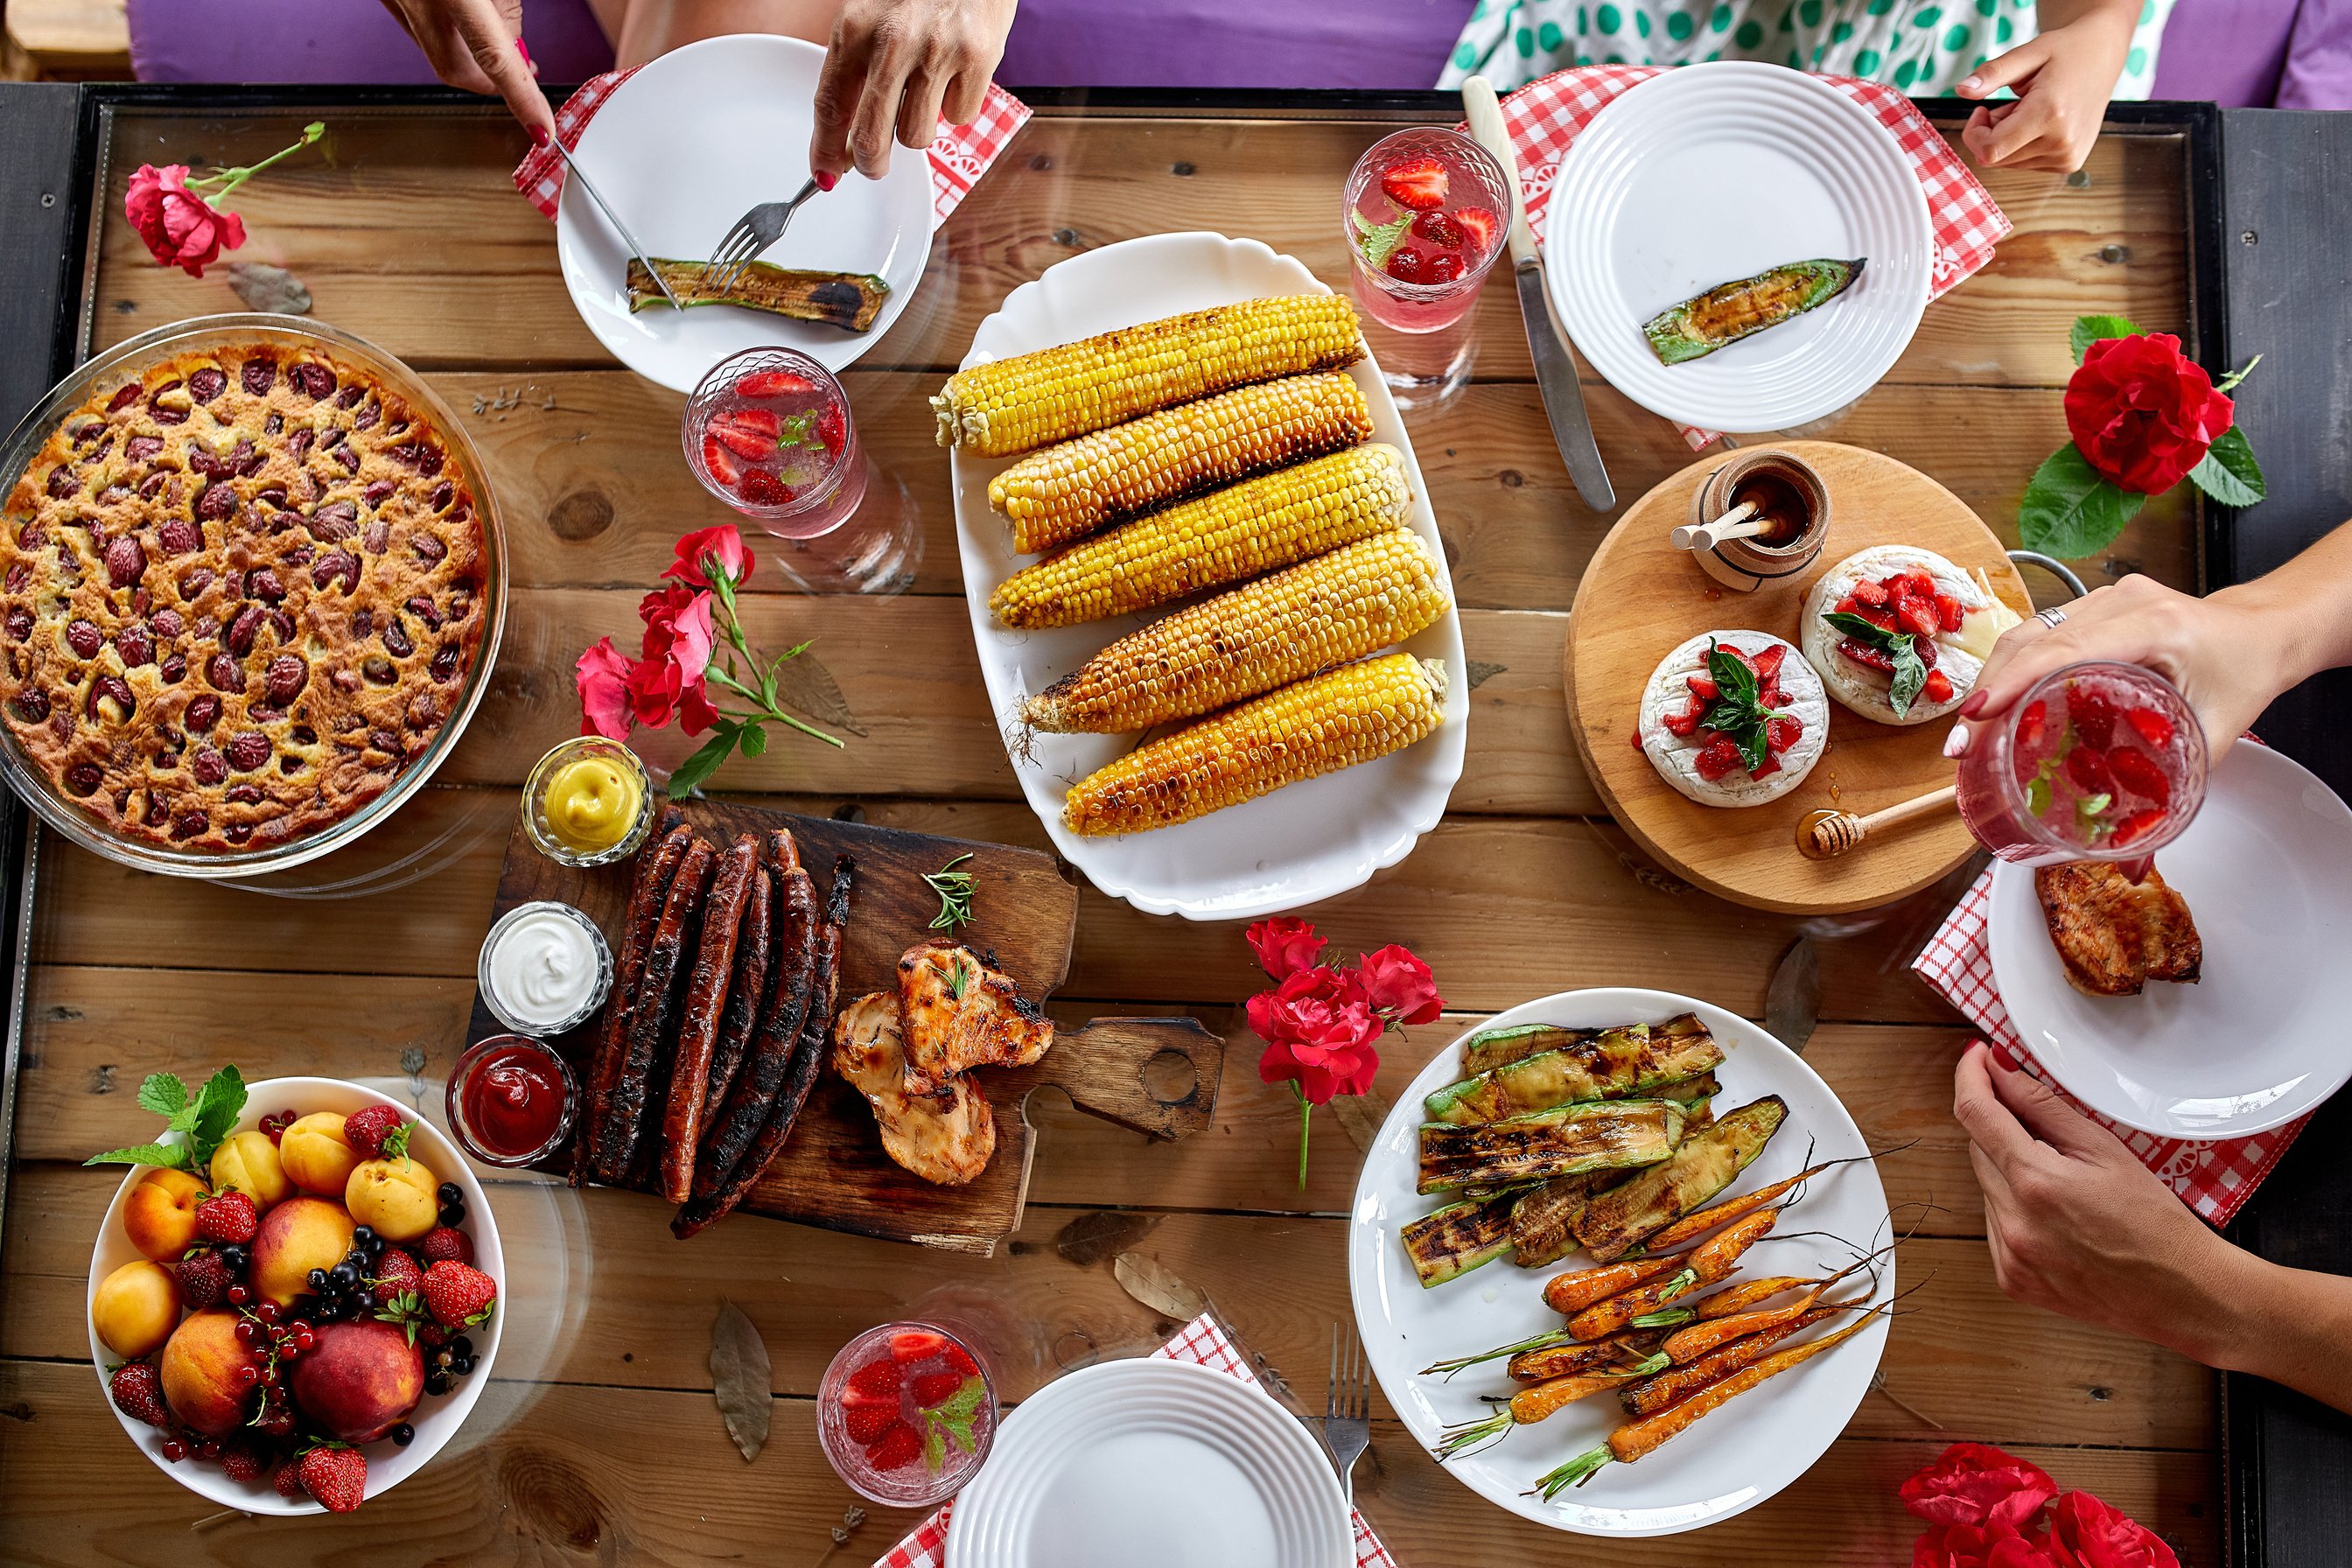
(293, 1298)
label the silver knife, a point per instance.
(613, 217)
(1563, 399)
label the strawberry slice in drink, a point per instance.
(2136, 772)
(2136, 827)
(910, 1345)
(2151, 726)
(721, 462)
(2087, 766)
(1479, 227)
(774, 384)
(749, 433)
(1439, 230)
(1418, 182)
(2094, 715)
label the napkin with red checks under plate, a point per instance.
(1198, 1340)
(2215, 1178)
(1543, 117)
(959, 157)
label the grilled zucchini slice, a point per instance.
(847, 300)
(1618, 1220)
(1730, 311)
(1601, 1135)
(1615, 1064)
(1450, 1242)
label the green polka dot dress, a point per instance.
(1923, 46)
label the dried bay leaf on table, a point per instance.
(739, 1377)
(1159, 1287)
(1360, 1116)
(806, 687)
(271, 288)
(1091, 1237)
(1794, 1004)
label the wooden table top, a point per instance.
(599, 1440)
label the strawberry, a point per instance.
(1445, 269)
(721, 462)
(960, 1359)
(459, 1294)
(1845, 606)
(1479, 226)
(937, 1388)
(876, 1379)
(2135, 826)
(1949, 611)
(444, 1243)
(1719, 757)
(1439, 230)
(1882, 619)
(1701, 687)
(1418, 182)
(2135, 773)
(287, 1480)
(137, 1390)
(2152, 726)
(1741, 654)
(244, 1461)
(2031, 724)
(1765, 769)
(1768, 659)
(2094, 715)
(1868, 657)
(774, 384)
(204, 1281)
(1684, 723)
(1918, 618)
(833, 429)
(1936, 687)
(334, 1474)
(1869, 593)
(2087, 766)
(910, 1345)
(396, 1274)
(761, 487)
(866, 1423)
(895, 1449)
(1781, 732)
(747, 432)
(1408, 265)
(375, 1130)
(228, 1216)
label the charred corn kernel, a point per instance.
(1358, 599)
(1032, 400)
(1063, 492)
(1222, 537)
(1350, 715)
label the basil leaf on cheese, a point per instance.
(1910, 669)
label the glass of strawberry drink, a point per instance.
(906, 1414)
(1424, 218)
(2098, 762)
(768, 432)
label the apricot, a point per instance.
(160, 1214)
(297, 1235)
(200, 1373)
(397, 1196)
(136, 1309)
(317, 1157)
(249, 1162)
(361, 1380)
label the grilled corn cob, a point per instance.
(1222, 537)
(1352, 714)
(1032, 400)
(1321, 613)
(1057, 495)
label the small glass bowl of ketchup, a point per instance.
(511, 1100)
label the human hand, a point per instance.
(2062, 79)
(477, 44)
(2078, 1226)
(895, 67)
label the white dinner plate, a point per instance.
(686, 146)
(2266, 868)
(1297, 845)
(1712, 173)
(1729, 1461)
(1151, 1464)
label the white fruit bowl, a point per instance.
(437, 1419)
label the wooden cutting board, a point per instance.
(1641, 596)
(1156, 1076)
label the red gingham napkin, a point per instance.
(959, 157)
(1198, 1340)
(2214, 1178)
(1543, 117)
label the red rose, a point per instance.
(2086, 1533)
(181, 228)
(604, 675)
(1399, 986)
(1284, 946)
(723, 543)
(659, 692)
(1320, 1031)
(1978, 1485)
(669, 681)
(1966, 1546)
(2141, 414)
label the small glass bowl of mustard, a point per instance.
(589, 801)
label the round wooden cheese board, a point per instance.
(1640, 597)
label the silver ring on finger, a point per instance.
(2051, 617)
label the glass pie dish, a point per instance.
(235, 333)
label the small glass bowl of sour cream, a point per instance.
(545, 968)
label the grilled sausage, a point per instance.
(747, 994)
(793, 965)
(649, 1017)
(657, 869)
(698, 1024)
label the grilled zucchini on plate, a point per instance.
(1565, 1134)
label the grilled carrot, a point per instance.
(1527, 1407)
(1616, 1352)
(1721, 1303)
(1685, 1345)
(1637, 1438)
(1569, 1293)
(1673, 1386)
(1692, 1226)
(1713, 1259)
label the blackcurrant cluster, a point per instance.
(451, 1362)
(453, 1204)
(342, 1290)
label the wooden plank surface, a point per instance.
(597, 1439)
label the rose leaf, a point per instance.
(2069, 510)
(2228, 471)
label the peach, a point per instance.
(249, 1162)
(200, 1373)
(297, 1235)
(160, 1214)
(361, 1380)
(136, 1308)
(316, 1156)
(397, 1196)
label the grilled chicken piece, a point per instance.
(959, 1013)
(944, 1136)
(2114, 937)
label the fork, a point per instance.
(754, 233)
(1348, 1408)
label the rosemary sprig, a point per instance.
(954, 889)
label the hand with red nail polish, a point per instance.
(894, 69)
(478, 45)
